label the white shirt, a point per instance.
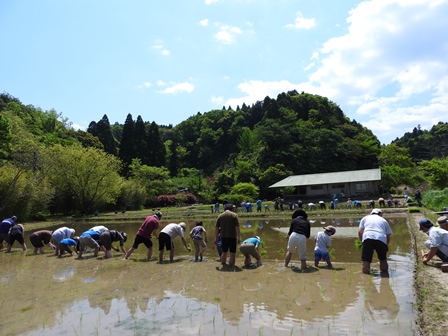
(375, 227)
(173, 230)
(323, 241)
(438, 238)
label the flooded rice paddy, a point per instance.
(44, 295)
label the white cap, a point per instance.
(376, 211)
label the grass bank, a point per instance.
(429, 283)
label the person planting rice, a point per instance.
(110, 236)
(40, 238)
(166, 237)
(323, 242)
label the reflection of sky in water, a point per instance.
(65, 274)
(8, 277)
(248, 306)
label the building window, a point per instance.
(361, 186)
(338, 186)
(317, 187)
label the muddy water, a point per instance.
(43, 295)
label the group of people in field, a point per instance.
(374, 232)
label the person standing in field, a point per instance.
(40, 238)
(374, 232)
(228, 226)
(200, 244)
(299, 232)
(323, 243)
(166, 236)
(144, 234)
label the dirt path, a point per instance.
(431, 289)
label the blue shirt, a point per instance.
(68, 242)
(6, 224)
(252, 240)
(93, 234)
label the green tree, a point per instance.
(249, 190)
(141, 145)
(156, 148)
(436, 172)
(132, 195)
(395, 155)
(128, 145)
(103, 131)
(155, 179)
(90, 176)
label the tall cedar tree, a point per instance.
(141, 143)
(103, 131)
(156, 148)
(127, 145)
(173, 164)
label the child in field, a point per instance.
(323, 242)
(199, 244)
(219, 244)
(249, 248)
(65, 246)
(16, 234)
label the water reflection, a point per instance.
(114, 296)
(64, 274)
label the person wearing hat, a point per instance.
(58, 235)
(250, 247)
(166, 237)
(108, 237)
(437, 242)
(443, 222)
(374, 232)
(299, 232)
(323, 242)
(144, 234)
(228, 226)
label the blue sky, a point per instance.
(384, 62)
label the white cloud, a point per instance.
(160, 83)
(145, 85)
(302, 23)
(390, 68)
(217, 100)
(175, 88)
(258, 90)
(209, 2)
(227, 34)
(204, 22)
(158, 45)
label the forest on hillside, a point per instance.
(48, 167)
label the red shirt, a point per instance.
(150, 224)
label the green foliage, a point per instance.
(435, 199)
(436, 172)
(358, 244)
(248, 190)
(155, 179)
(87, 175)
(248, 142)
(393, 155)
(132, 195)
(23, 191)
